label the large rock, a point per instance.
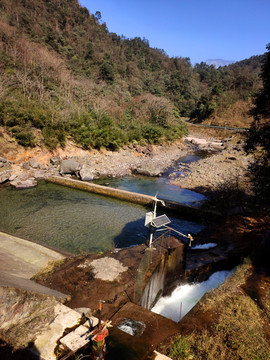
(32, 162)
(149, 170)
(26, 166)
(41, 174)
(87, 174)
(4, 176)
(197, 141)
(55, 160)
(23, 182)
(69, 166)
(3, 160)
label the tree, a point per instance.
(258, 138)
(98, 16)
(107, 71)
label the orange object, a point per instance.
(101, 335)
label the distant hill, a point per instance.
(64, 75)
(219, 62)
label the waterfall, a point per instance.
(185, 297)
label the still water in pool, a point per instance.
(75, 221)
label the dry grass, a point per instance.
(47, 271)
(239, 330)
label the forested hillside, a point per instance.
(64, 74)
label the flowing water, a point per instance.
(161, 186)
(74, 220)
(184, 297)
(153, 186)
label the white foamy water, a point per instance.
(203, 246)
(132, 327)
(188, 295)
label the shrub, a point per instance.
(24, 137)
(180, 348)
(106, 71)
(152, 133)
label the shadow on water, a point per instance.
(127, 238)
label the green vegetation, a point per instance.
(62, 72)
(258, 139)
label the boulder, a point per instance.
(196, 141)
(4, 176)
(149, 170)
(12, 177)
(217, 145)
(87, 174)
(69, 166)
(40, 174)
(26, 166)
(21, 183)
(32, 162)
(55, 160)
(3, 160)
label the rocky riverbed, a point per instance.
(228, 162)
(228, 166)
(24, 169)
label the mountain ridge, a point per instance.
(63, 74)
(219, 62)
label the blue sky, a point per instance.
(198, 29)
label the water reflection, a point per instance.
(161, 186)
(74, 220)
(153, 186)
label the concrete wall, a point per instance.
(169, 272)
(103, 190)
(182, 209)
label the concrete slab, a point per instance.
(160, 356)
(46, 342)
(74, 340)
(21, 259)
(11, 281)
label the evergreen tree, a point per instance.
(258, 139)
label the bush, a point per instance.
(110, 138)
(106, 71)
(180, 349)
(152, 133)
(24, 137)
